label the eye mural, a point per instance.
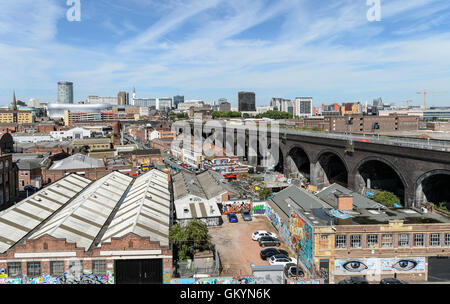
(355, 266)
(405, 265)
(363, 266)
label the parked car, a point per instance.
(269, 252)
(391, 281)
(257, 234)
(30, 188)
(269, 241)
(281, 259)
(292, 270)
(354, 280)
(246, 215)
(232, 218)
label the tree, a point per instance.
(187, 239)
(275, 115)
(264, 193)
(442, 206)
(386, 198)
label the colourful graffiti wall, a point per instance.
(236, 206)
(302, 240)
(280, 226)
(85, 278)
(259, 208)
(225, 280)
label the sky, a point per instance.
(211, 49)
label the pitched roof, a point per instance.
(145, 211)
(297, 197)
(361, 202)
(20, 219)
(77, 161)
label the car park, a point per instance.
(354, 280)
(391, 281)
(269, 241)
(257, 234)
(292, 270)
(280, 259)
(269, 252)
(232, 218)
(246, 215)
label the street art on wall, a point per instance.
(85, 278)
(306, 282)
(259, 208)
(167, 276)
(236, 206)
(224, 280)
(280, 226)
(366, 266)
(302, 240)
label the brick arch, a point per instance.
(418, 183)
(385, 161)
(322, 152)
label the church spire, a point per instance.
(14, 103)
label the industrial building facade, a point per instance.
(113, 230)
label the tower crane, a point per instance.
(425, 93)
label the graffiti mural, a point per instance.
(224, 280)
(302, 240)
(259, 208)
(83, 278)
(280, 226)
(307, 282)
(167, 276)
(236, 206)
(379, 266)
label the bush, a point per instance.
(386, 198)
(186, 239)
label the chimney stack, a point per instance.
(344, 201)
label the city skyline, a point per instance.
(214, 49)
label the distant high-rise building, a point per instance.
(246, 102)
(123, 99)
(14, 102)
(303, 107)
(164, 104)
(65, 92)
(177, 100)
(224, 106)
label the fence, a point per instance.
(192, 268)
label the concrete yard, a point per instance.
(236, 247)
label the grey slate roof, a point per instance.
(297, 197)
(359, 201)
(205, 185)
(77, 161)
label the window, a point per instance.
(447, 239)
(419, 240)
(99, 267)
(15, 269)
(387, 241)
(57, 268)
(34, 269)
(341, 241)
(372, 240)
(435, 240)
(355, 241)
(323, 242)
(403, 240)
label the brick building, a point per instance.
(116, 232)
(9, 181)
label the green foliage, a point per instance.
(228, 114)
(443, 206)
(186, 239)
(275, 115)
(386, 198)
(182, 115)
(264, 193)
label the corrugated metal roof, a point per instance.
(81, 220)
(145, 210)
(20, 219)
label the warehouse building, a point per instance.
(113, 230)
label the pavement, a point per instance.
(236, 247)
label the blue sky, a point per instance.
(208, 49)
